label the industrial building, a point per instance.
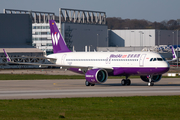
(23, 31)
(16, 39)
(82, 28)
(142, 38)
(79, 28)
(15, 31)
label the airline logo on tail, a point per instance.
(55, 38)
(59, 45)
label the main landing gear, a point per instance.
(126, 81)
(89, 84)
(150, 83)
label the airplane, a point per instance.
(97, 66)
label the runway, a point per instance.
(28, 89)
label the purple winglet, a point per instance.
(7, 56)
(174, 54)
(59, 45)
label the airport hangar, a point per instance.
(80, 28)
(86, 28)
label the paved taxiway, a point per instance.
(25, 89)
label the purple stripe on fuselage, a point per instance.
(132, 71)
(139, 71)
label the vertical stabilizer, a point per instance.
(59, 45)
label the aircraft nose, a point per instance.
(166, 67)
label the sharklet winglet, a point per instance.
(7, 56)
(174, 54)
(59, 45)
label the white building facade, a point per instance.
(41, 37)
(143, 38)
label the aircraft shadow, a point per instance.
(134, 84)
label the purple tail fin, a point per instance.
(59, 45)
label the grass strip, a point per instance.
(44, 77)
(38, 76)
(117, 108)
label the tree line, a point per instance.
(119, 23)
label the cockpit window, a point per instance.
(159, 59)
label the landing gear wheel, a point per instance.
(123, 82)
(92, 84)
(87, 83)
(150, 84)
(128, 82)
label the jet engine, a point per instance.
(155, 78)
(96, 76)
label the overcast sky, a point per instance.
(151, 10)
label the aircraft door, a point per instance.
(108, 60)
(63, 59)
(141, 60)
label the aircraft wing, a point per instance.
(53, 65)
(38, 57)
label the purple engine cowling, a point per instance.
(155, 78)
(96, 76)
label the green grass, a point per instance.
(41, 76)
(38, 76)
(115, 108)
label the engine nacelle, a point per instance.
(96, 76)
(155, 78)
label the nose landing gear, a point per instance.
(150, 83)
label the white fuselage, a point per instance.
(109, 59)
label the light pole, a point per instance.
(132, 41)
(159, 37)
(141, 40)
(177, 49)
(97, 40)
(173, 38)
(90, 48)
